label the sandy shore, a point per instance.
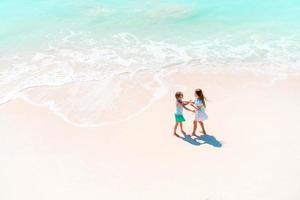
(252, 152)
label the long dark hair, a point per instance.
(201, 96)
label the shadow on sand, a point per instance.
(203, 139)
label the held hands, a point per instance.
(192, 110)
(190, 102)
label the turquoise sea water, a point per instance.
(53, 42)
(27, 21)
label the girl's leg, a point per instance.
(195, 128)
(202, 126)
(181, 128)
(175, 128)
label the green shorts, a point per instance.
(179, 118)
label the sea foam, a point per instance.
(80, 75)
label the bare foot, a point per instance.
(184, 133)
(175, 134)
(194, 134)
(203, 132)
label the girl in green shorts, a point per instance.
(180, 104)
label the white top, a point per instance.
(179, 108)
(200, 115)
(198, 102)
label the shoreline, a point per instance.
(166, 84)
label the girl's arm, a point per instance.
(196, 107)
(187, 108)
(185, 103)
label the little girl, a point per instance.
(180, 104)
(200, 114)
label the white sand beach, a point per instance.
(251, 151)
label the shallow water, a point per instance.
(53, 43)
